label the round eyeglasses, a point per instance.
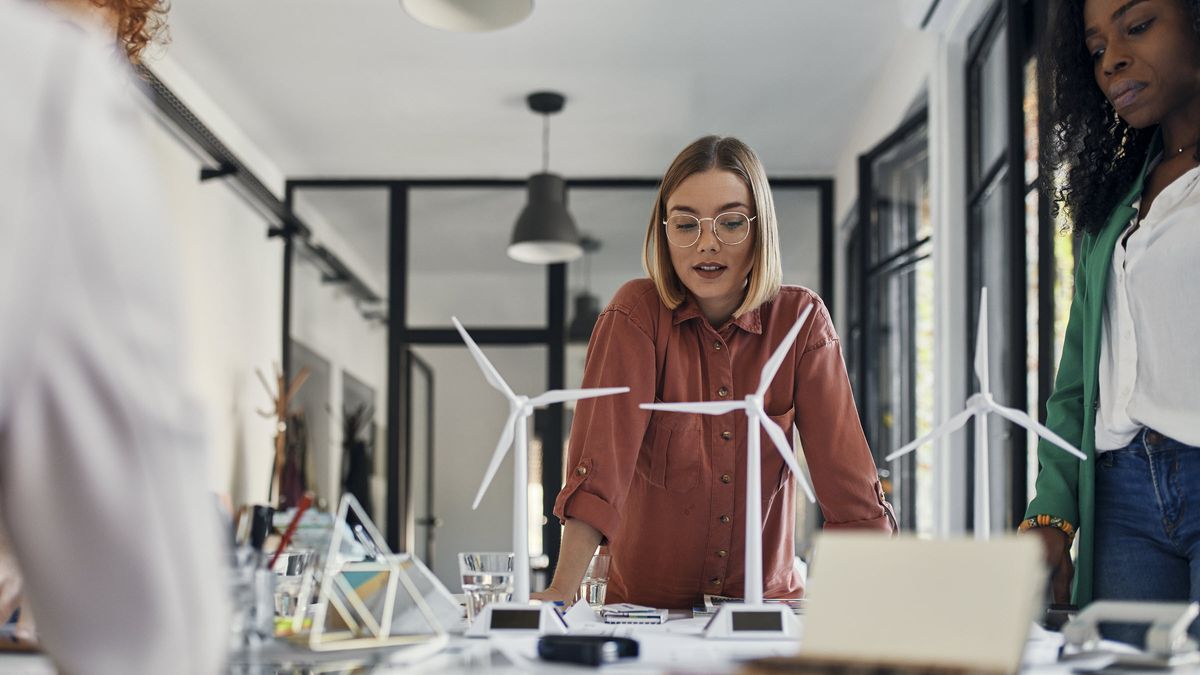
(730, 228)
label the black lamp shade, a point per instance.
(545, 232)
(587, 312)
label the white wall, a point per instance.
(232, 280)
(233, 289)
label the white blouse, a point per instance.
(1150, 343)
(102, 457)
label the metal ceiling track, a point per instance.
(248, 185)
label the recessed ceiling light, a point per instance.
(468, 16)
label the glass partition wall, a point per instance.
(339, 339)
(440, 247)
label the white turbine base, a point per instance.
(753, 622)
(512, 618)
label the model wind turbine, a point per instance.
(518, 615)
(979, 406)
(754, 618)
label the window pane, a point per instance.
(798, 211)
(617, 220)
(924, 399)
(1032, 331)
(1030, 109)
(420, 437)
(993, 271)
(359, 216)
(1033, 289)
(993, 117)
(342, 341)
(468, 418)
(458, 264)
(900, 180)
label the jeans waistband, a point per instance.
(1152, 441)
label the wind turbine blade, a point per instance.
(560, 395)
(506, 441)
(489, 371)
(772, 367)
(948, 426)
(789, 456)
(981, 343)
(1019, 417)
(703, 408)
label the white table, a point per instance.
(676, 645)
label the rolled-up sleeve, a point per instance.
(607, 432)
(840, 462)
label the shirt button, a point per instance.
(726, 435)
(722, 392)
(725, 478)
(715, 581)
(581, 471)
(725, 519)
(717, 345)
(722, 553)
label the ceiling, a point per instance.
(336, 88)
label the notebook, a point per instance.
(906, 602)
(630, 613)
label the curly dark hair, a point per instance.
(139, 24)
(1101, 153)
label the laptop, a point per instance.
(904, 602)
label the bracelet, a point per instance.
(1047, 521)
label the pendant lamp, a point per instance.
(468, 16)
(587, 305)
(545, 232)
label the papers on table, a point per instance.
(713, 602)
(630, 613)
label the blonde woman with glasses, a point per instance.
(662, 490)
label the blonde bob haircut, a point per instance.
(727, 154)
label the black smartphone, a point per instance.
(589, 650)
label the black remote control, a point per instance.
(590, 650)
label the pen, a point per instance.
(372, 550)
(305, 502)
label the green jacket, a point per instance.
(1066, 485)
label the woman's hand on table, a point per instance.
(552, 594)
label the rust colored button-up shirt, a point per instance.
(667, 489)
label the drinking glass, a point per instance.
(486, 578)
(595, 581)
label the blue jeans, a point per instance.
(1147, 526)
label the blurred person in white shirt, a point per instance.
(101, 455)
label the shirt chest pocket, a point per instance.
(775, 473)
(671, 452)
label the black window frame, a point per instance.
(867, 269)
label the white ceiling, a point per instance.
(358, 88)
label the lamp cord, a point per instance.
(545, 143)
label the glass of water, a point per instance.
(595, 581)
(486, 578)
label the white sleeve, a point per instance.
(102, 463)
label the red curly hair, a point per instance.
(139, 24)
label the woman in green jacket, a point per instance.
(1123, 79)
